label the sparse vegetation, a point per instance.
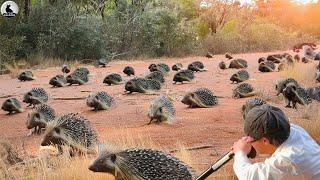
(305, 74)
(310, 120)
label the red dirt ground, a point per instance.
(219, 126)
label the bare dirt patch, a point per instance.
(219, 126)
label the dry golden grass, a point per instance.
(269, 96)
(310, 121)
(16, 67)
(304, 73)
(52, 167)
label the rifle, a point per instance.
(222, 161)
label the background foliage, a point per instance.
(91, 29)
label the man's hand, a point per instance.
(243, 144)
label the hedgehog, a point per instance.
(281, 84)
(159, 67)
(156, 75)
(183, 75)
(65, 69)
(314, 93)
(161, 109)
(38, 118)
(36, 96)
(177, 67)
(142, 85)
(12, 105)
(228, 55)
(243, 90)
(267, 66)
(262, 59)
(128, 70)
(113, 78)
(100, 101)
(250, 104)
(79, 76)
(238, 64)
(209, 55)
(295, 94)
(58, 81)
(275, 58)
(200, 98)
(26, 76)
(196, 66)
(72, 130)
(317, 57)
(141, 164)
(240, 76)
(222, 65)
(103, 62)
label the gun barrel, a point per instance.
(219, 163)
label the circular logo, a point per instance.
(9, 9)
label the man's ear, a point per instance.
(265, 141)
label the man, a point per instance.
(293, 153)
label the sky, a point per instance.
(252, 2)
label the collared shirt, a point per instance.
(296, 158)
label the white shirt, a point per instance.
(297, 158)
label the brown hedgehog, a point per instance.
(139, 164)
(209, 55)
(240, 76)
(228, 56)
(177, 67)
(161, 109)
(183, 75)
(72, 130)
(26, 76)
(296, 94)
(243, 90)
(200, 98)
(266, 66)
(262, 59)
(12, 105)
(128, 70)
(39, 118)
(238, 64)
(222, 65)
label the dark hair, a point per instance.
(269, 122)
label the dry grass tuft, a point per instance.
(305, 74)
(16, 67)
(269, 97)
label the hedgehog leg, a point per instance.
(30, 132)
(288, 105)
(9, 113)
(294, 105)
(151, 119)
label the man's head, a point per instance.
(268, 126)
